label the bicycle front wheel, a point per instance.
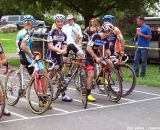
(40, 93)
(114, 85)
(83, 87)
(2, 99)
(128, 78)
(13, 85)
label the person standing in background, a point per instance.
(93, 28)
(77, 32)
(144, 36)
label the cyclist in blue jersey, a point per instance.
(93, 54)
(24, 43)
(24, 49)
(57, 46)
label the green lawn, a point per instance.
(8, 41)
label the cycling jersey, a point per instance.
(96, 43)
(112, 39)
(119, 35)
(58, 39)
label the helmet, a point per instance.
(108, 27)
(28, 19)
(108, 18)
(58, 17)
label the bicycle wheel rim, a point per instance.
(39, 101)
(83, 89)
(114, 85)
(56, 81)
(128, 78)
(12, 87)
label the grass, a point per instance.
(8, 41)
(14, 62)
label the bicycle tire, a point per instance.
(2, 104)
(35, 107)
(83, 87)
(131, 74)
(17, 97)
(116, 95)
(56, 87)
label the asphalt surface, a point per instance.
(138, 111)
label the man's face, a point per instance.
(140, 22)
(106, 34)
(59, 23)
(70, 21)
(28, 25)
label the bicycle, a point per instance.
(16, 89)
(112, 81)
(60, 84)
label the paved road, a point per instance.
(139, 111)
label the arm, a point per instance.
(3, 59)
(25, 48)
(85, 31)
(90, 51)
(149, 37)
(53, 48)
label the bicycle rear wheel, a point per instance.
(13, 85)
(128, 78)
(39, 98)
(2, 99)
(114, 85)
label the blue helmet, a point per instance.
(108, 18)
(28, 19)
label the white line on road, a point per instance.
(24, 100)
(24, 117)
(96, 108)
(104, 95)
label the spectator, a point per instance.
(77, 30)
(159, 47)
(93, 28)
(144, 36)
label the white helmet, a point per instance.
(58, 17)
(108, 27)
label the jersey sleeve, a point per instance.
(118, 34)
(50, 37)
(93, 38)
(149, 32)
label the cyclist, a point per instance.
(3, 62)
(93, 52)
(24, 43)
(58, 46)
(117, 42)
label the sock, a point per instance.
(88, 91)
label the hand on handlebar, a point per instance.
(98, 60)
